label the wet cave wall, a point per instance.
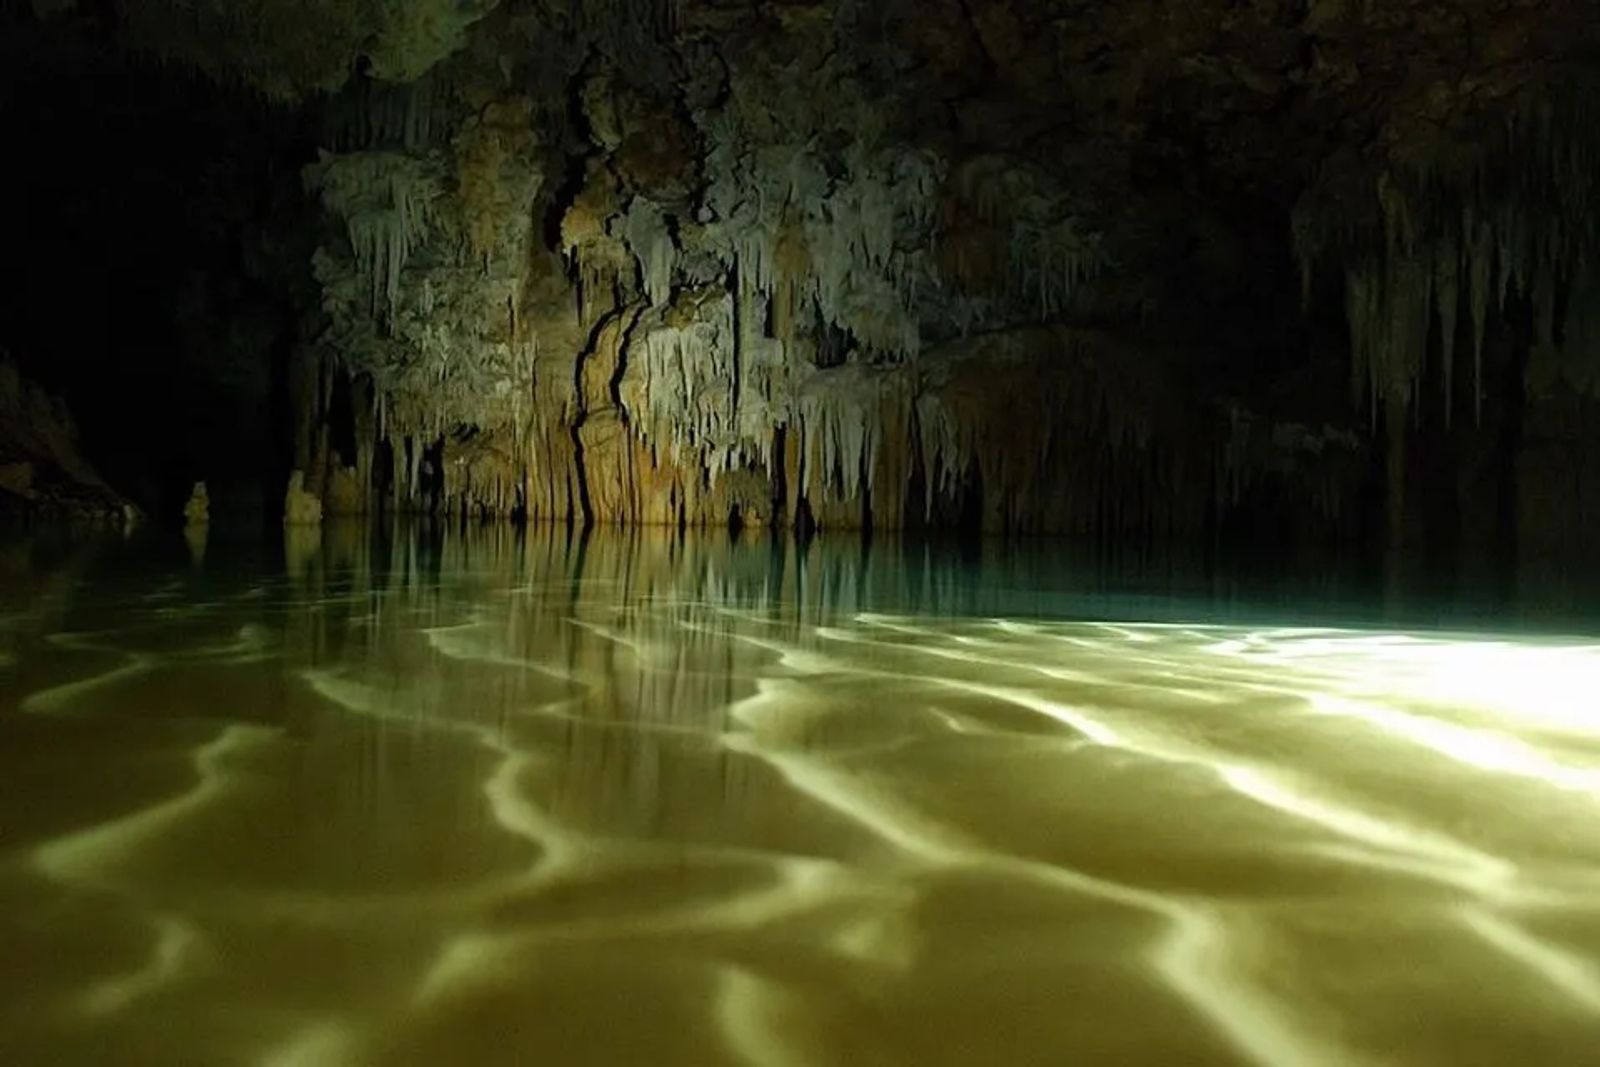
(1280, 274)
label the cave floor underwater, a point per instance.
(522, 798)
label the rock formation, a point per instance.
(43, 473)
(712, 268)
(998, 265)
(300, 508)
(197, 511)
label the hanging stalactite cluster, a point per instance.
(994, 264)
(1436, 252)
(683, 292)
(385, 200)
(758, 311)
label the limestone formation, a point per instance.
(197, 512)
(994, 265)
(768, 290)
(300, 508)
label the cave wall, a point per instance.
(1281, 273)
(822, 265)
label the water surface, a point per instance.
(501, 799)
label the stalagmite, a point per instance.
(197, 511)
(300, 508)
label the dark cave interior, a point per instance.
(799, 532)
(1281, 276)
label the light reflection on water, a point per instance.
(631, 800)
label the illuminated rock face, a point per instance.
(695, 265)
(719, 267)
(987, 264)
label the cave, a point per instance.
(799, 531)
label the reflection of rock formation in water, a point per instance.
(197, 536)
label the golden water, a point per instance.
(510, 801)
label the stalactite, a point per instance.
(1480, 266)
(645, 230)
(764, 312)
(1513, 223)
(1567, 353)
(386, 202)
(1048, 253)
(855, 247)
(1447, 299)
(371, 114)
(682, 382)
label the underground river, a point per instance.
(511, 798)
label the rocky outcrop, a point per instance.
(43, 473)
